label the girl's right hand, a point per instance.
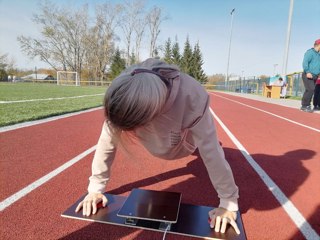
(90, 203)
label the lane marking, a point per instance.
(23, 192)
(275, 115)
(49, 99)
(45, 120)
(304, 227)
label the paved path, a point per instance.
(292, 103)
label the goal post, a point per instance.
(67, 78)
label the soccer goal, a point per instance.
(67, 78)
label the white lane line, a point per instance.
(23, 192)
(36, 122)
(283, 118)
(49, 99)
(304, 227)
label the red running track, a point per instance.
(289, 154)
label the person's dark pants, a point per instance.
(309, 85)
(316, 96)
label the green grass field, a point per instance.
(11, 113)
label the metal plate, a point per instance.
(192, 220)
(152, 205)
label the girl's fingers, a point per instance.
(224, 225)
(218, 223)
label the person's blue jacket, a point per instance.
(311, 62)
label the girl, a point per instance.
(168, 112)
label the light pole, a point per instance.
(286, 51)
(241, 80)
(227, 77)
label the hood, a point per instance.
(168, 71)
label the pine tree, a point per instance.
(118, 64)
(176, 56)
(167, 52)
(197, 62)
(186, 61)
(156, 53)
(133, 59)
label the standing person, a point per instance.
(283, 85)
(168, 112)
(316, 96)
(311, 71)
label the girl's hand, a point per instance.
(90, 202)
(220, 217)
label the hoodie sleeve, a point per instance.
(220, 173)
(103, 158)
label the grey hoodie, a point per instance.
(191, 126)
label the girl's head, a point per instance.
(134, 99)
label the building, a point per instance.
(38, 77)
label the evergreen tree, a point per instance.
(186, 61)
(167, 52)
(197, 62)
(118, 64)
(156, 53)
(176, 56)
(133, 59)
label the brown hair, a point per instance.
(133, 100)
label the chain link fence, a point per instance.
(254, 85)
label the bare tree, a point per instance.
(3, 60)
(139, 29)
(101, 37)
(62, 37)
(132, 10)
(154, 19)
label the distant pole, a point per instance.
(274, 69)
(241, 80)
(227, 75)
(35, 71)
(286, 51)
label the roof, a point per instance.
(38, 76)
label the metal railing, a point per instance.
(255, 85)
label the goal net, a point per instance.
(67, 78)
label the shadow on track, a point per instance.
(287, 171)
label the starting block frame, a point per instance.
(192, 220)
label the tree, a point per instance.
(3, 61)
(118, 64)
(3, 75)
(168, 52)
(154, 19)
(100, 39)
(132, 11)
(3, 65)
(216, 78)
(176, 56)
(7, 67)
(197, 62)
(186, 61)
(62, 40)
(139, 30)
(133, 59)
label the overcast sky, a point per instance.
(258, 40)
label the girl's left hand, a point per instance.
(220, 217)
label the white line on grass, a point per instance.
(275, 115)
(23, 192)
(49, 99)
(31, 123)
(304, 227)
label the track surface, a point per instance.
(286, 151)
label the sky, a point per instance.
(258, 39)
